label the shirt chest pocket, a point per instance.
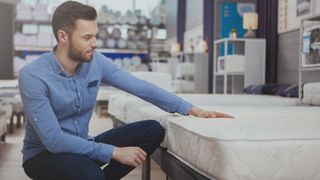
(91, 93)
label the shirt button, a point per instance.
(78, 94)
(76, 122)
(35, 119)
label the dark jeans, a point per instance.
(146, 134)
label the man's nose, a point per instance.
(94, 43)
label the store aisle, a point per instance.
(10, 155)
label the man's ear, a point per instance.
(62, 36)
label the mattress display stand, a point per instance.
(170, 165)
(307, 24)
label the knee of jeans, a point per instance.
(97, 176)
(156, 129)
(88, 173)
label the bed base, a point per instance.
(173, 167)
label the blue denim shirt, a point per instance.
(58, 107)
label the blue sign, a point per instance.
(232, 18)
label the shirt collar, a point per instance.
(58, 67)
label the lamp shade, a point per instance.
(203, 46)
(250, 20)
(175, 48)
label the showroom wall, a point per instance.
(6, 36)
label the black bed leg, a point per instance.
(19, 116)
(167, 177)
(146, 169)
(11, 124)
(3, 137)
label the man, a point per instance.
(58, 92)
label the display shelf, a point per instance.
(308, 25)
(229, 73)
(312, 18)
(18, 21)
(233, 40)
(127, 51)
(315, 45)
(102, 50)
(142, 26)
(31, 48)
(310, 68)
(238, 57)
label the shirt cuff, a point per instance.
(106, 152)
(185, 108)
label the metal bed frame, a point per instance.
(173, 167)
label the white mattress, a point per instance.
(264, 132)
(105, 92)
(3, 121)
(311, 94)
(260, 143)
(126, 108)
(160, 79)
(10, 83)
(239, 100)
(12, 96)
(5, 113)
(117, 105)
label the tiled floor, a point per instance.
(10, 155)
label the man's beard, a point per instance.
(77, 55)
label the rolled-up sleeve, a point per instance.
(40, 116)
(123, 80)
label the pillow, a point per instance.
(253, 89)
(291, 91)
(273, 89)
(285, 90)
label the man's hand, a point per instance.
(208, 114)
(133, 156)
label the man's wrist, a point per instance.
(114, 153)
(194, 111)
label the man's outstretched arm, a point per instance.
(165, 100)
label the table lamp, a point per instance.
(175, 48)
(250, 22)
(203, 46)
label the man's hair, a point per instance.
(66, 15)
